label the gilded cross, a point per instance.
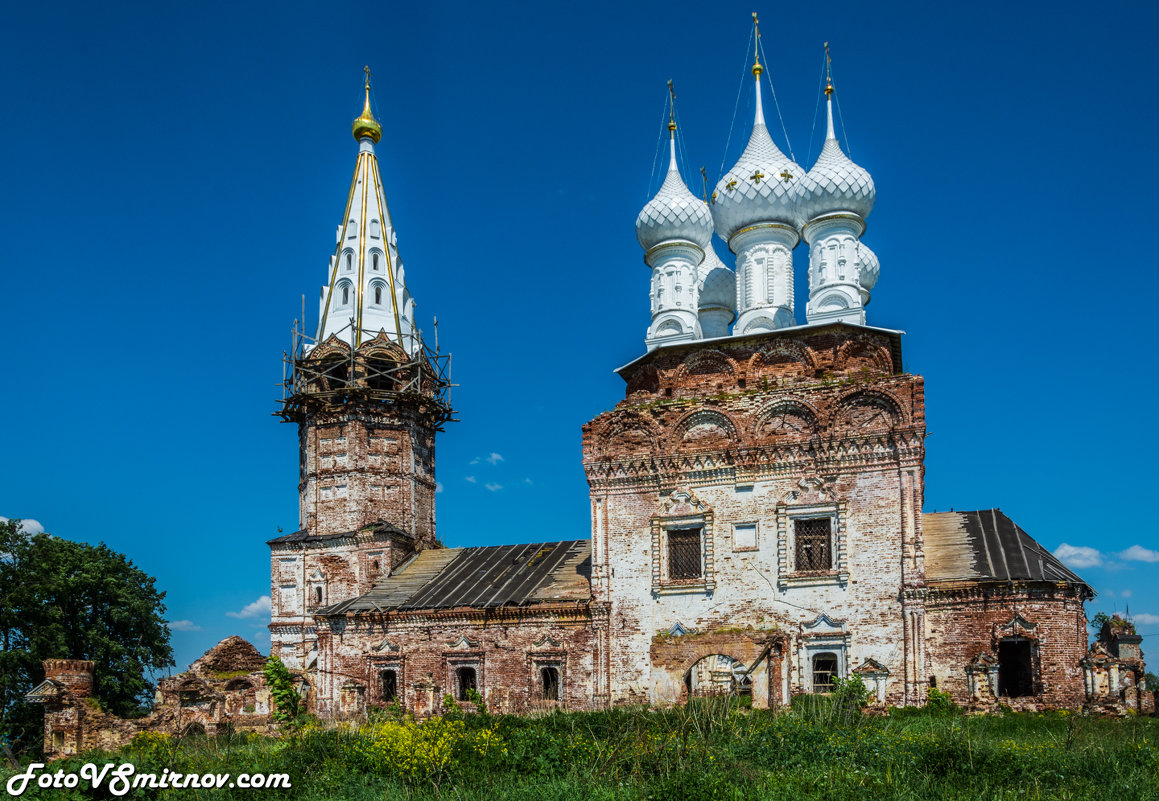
(731, 185)
(756, 177)
(786, 176)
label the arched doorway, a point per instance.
(718, 674)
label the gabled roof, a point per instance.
(47, 690)
(987, 546)
(488, 577)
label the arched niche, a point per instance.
(704, 428)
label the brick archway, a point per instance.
(678, 655)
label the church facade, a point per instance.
(757, 519)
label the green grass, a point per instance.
(709, 750)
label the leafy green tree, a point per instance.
(70, 600)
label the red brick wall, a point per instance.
(963, 622)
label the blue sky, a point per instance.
(173, 174)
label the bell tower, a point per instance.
(368, 396)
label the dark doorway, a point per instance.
(464, 681)
(389, 685)
(549, 682)
(1015, 669)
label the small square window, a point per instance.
(813, 548)
(684, 554)
(744, 537)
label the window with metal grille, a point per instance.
(684, 554)
(824, 669)
(814, 549)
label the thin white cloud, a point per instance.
(494, 458)
(28, 525)
(1126, 593)
(476, 460)
(528, 482)
(258, 608)
(493, 487)
(183, 625)
(1078, 555)
(438, 486)
(471, 480)
(1137, 553)
(1145, 619)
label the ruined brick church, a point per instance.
(756, 496)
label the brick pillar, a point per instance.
(75, 674)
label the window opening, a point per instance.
(378, 294)
(1015, 671)
(376, 262)
(824, 669)
(549, 682)
(348, 267)
(813, 543)
(388, 680)
(317, 595)
(684, 554)
(464, 681)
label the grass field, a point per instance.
(708, 750)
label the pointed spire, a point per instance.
(672, 167)
(364, 124)
(830, 133)
(757, 70)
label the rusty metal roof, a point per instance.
(987, 546)
(487, 577)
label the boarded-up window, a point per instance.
(684, 554)
(814, 550)
(744, 536)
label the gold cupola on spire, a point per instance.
(365, 124)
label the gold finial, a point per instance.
(671, 109)
(365, 124)
(828, 73)
(757, 68)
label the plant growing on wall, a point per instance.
(287, 699)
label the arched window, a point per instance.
(549, 683)
(375, 267)
(465, 680)
(318, 594)
(349, 259)
(377, 293)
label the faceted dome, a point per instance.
(758, 189)
(717, 282)
(835, 184)
(870, 267)
(675, 213)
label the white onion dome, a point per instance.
(835, 184)
(870, 267)
(717, 282)
(674, 213)
(759, 187)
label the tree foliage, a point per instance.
(70, 600)
(287, 699)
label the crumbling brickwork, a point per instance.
(747, 442)
(969, 620)
(506, 649)
(223, 691)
